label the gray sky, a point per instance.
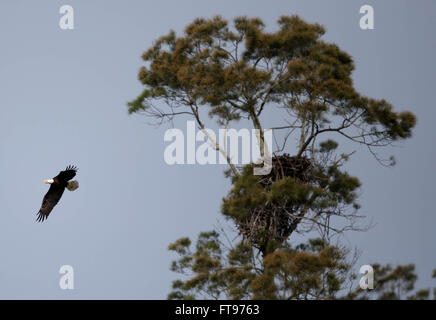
(62, 101)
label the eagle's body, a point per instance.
(57, 188)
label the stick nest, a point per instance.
(276, 220)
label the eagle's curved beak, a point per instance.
(48, 181)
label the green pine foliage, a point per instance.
(312, 270)
(238, 70)
(315, 270)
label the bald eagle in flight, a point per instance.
(57, 188)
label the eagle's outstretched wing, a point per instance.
(68, 174)
(51, 198)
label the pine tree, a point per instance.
(242, 72)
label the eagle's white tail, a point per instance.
(72, 185)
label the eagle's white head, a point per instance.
(49, 181)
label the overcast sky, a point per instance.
(63, 97)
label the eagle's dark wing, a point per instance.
(51, 198)
(68, 174)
